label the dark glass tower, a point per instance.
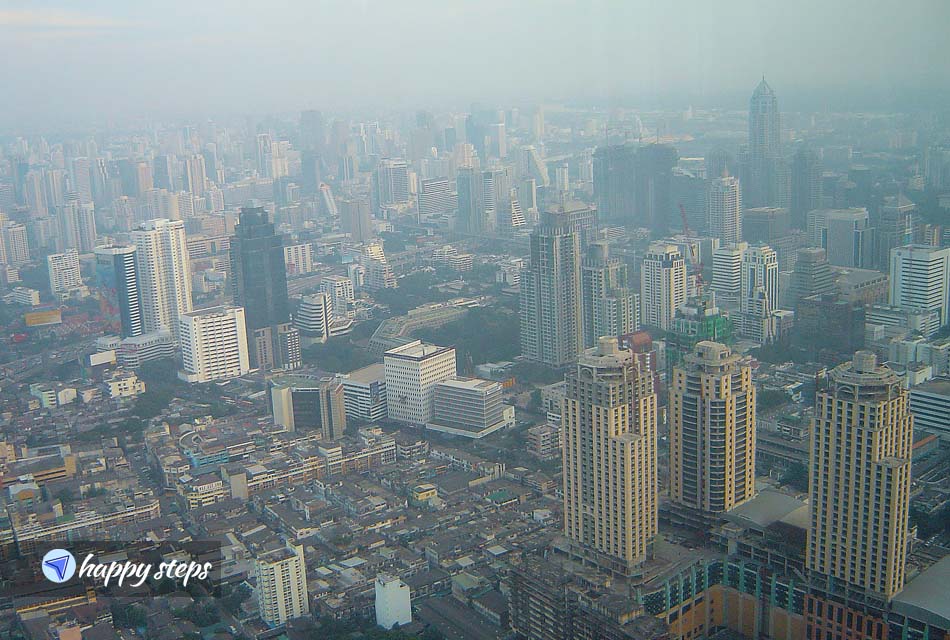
(118, 282)
(259, 284)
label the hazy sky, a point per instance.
(200, 57)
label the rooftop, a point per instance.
(937, 386)
(925, 597)
(417, 350)
(371, 373)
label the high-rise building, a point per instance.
(759, 271)
(412, 372)
(920, 278)
(313, 317)
(763, 176)
(305, 403)
(712, 430)
(436, 197)
(118, 283)
(662, 285)
(470, 218)
(164, 273)
(551, 301)
(340, 290)
(697, 320)
(64, 275)
(611, 307)
(259, 284)
(364, 393)
(391, 182)
(724, 210)
(281, 577)
(860, 477)
(654, 182)
(608, 431)
(812, 274)
(806, 191)
(895, 228)
(633, 184)
(195, 175)
(77, 225)
(15, 240)
(355, 219)
(379, 273)
(213, 344)
(727, 274)
(848, 238)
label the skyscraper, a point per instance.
(895, 228)
(662, 285)
(761, 182)
(164, 273)
(724, 209)
(849, 238)
(812, 274)
(391, 182)
(355, 218)
(412, 372)
(611, 307)
(259, 284)
(860, 477)
(551, 320)
(727, 274)
(920, 277)
(608, 424)
(806, 186)
(117, 280)
(759, 272)
(77, 225)
(471, 201)
(712, 430)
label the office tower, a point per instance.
(920, 277)
(608, 431)
(930, 405)
(848, 238)
(611, 307)
(312, 320)
(662, 285)
(364, 393)
(265, 156)
(806, 193)
(763, 176)
(15, 240)
(393, 602)
(298, 258)
(499, 140)
(213, 344)
(281, 577)
(562, 177)
(436, 197)
(534, 167)
(688, 190)
(412, 372)
(470, 218)
(164, 273)
(117, 280)
(759, 271)
(379, 274)
(552, 328)
(812, 274)
(355, 219)
(860, 477)
(143, 178)
(469, 407)
(727, 273)
(615, 169)
(327, 202)
(765, 224)
(259, 284)
(305, 403)
(712, 430)
(195, 175)
(895, 228)
(163, 173)
(827, 324)
(391, 182)
(63, 272)
(724, 210)
(654, 183)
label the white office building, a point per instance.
(213, 344)
(412, 372)
(364, 393)
(724, 209)
(312, 318)
(920, 278)
(64, 273)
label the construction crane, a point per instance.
(693, 257)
